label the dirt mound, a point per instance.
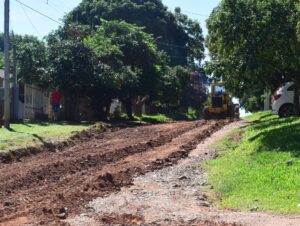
(97, 164)
(132, 220)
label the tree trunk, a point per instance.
(296, 97)
(138, 107)
(128, 106)
(107, 104)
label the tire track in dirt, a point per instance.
(41, 186)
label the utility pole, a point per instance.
(7, 66)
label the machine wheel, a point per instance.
(237, 111)
(287, 110)
(233, 111)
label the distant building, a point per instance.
(33, 101)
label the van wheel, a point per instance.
(286, 110)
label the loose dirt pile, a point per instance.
(178, 194)
(47, 187)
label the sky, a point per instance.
(26, 21)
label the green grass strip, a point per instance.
(28, 134)
(262, 169)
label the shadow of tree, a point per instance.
(271, 122)
(282, 139)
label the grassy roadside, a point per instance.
(260, 166)
(153, 118)
(27, 134)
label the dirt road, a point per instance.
(175, 195)
(49, 187)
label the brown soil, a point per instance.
(129, 219)
(45, 187)
(178, 194)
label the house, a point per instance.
(33, 101)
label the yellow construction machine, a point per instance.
(220, 104)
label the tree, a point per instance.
(1, 42)
(195, 44)
(1, 60)
(172, 86)
(69, 66)
(254, 101)
(172, 35)
(31, 58)
(117, 60)
(31, 54)
(130, 59)
(253, 44)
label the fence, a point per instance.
(33, 103)
(36, 102)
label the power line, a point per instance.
(55, 7)
(30, 21)
(42, 14)
(193, 13)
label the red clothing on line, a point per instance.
(55, 97)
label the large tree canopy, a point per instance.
(117, 60)
(131, 56)
(30, 53)
(180, 37)
(31, 58)
(253, 44)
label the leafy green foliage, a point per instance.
(1, 42)
(130, 57)
(261, 167)
(115, 49)
(1, 60)
(31, 58)
(253, 44)
(180, 37)
(195, 45)
(69, 65)
(172, 85)
(253, 102)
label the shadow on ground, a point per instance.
(281, 135)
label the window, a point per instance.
(219, 89)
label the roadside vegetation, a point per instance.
(259, 168)
(135, 51)
(29, 134)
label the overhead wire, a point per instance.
(38, 12)
(55, 7)
(194, 13)
(30, 21)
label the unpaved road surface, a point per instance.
(141, 175)
(49, 187)
(175, 195)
